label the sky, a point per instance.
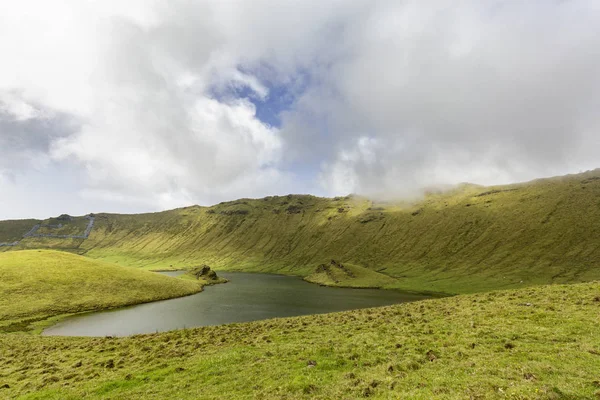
(146, 105)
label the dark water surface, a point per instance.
(246, 297)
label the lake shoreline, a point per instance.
(38, 327)
(42, 324)
(429, 293)
(247, 297)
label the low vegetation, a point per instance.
(337, 274)
(467, 239)
(529, 342)
(534, 343)
(36, 285)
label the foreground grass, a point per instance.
(535, 343)
(36, 285)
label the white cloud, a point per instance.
(15, 108)
(478, 91)
(138, 81)
(139, 96)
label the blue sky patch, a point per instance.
(280, 97)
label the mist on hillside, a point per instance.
(150, 106)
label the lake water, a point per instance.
(246, 297)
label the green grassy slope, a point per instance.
(534, 343)
(35, 285)
(469, 239)
(348, 275)
(11, 231)
(52, 226)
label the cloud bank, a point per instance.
(146, 105)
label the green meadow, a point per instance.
(522, 260)
(40, 284)
(534, 343)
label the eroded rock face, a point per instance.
(212, 275)
(204, 270)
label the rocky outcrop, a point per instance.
(204, 272)
(33, 231)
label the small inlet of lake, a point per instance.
(246, 297)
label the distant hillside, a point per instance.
(39, 284)
(469, 239)
(13, 231)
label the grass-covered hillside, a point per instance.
(335, 273)
(468, 239)
(38, 284)
(534, 343)
(12, 231)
